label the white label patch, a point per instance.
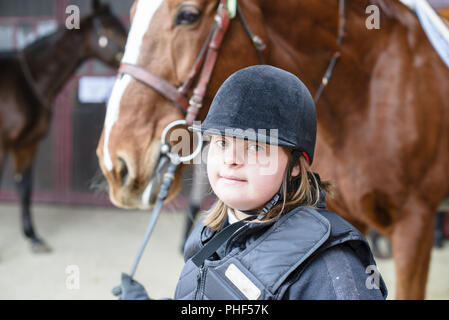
(242, 282)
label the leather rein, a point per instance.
(206, 60)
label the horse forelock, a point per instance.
(143, 13)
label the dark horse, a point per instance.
(31, 79)
(383, 119)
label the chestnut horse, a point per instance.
(29, 83)
(383, 118)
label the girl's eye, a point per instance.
(188, 14)
(255, 147)
(221, 143)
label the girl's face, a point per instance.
(245, 174)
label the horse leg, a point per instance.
(24, 189)
(412, 240)
(439, 229)
(24, 182)
(2, 161)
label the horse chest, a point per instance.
(25, 128)
(38, 127)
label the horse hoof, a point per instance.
(40, 247)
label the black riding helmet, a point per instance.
(265, 104)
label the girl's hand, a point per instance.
(130, 289)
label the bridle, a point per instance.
(202, 69)
(207, 58)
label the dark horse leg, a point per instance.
(439, 229)
(2, 160)
(24, 184)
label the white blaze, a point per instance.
(144, 12)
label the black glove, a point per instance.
(130, 289)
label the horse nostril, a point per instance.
(123, 170)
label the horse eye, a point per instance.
(187, 15)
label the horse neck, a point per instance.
(52, 60)
(307, 48)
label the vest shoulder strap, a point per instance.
(285, 246)
(292, 240)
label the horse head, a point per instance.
(166, 38)
(107, 35)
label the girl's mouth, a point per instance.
(231, 178)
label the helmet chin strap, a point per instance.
(260, 213)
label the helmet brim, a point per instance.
(247, 134)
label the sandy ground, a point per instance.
(92, 246)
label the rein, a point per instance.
(337, 54)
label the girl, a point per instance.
(269, 235)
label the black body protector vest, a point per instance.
(260, 257)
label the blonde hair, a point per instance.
(306, 192)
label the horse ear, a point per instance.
(99, 7)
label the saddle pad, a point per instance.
(434, 27)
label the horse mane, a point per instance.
(37, 45)
(39, 49)
(42, 43)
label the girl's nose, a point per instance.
(234, 155)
